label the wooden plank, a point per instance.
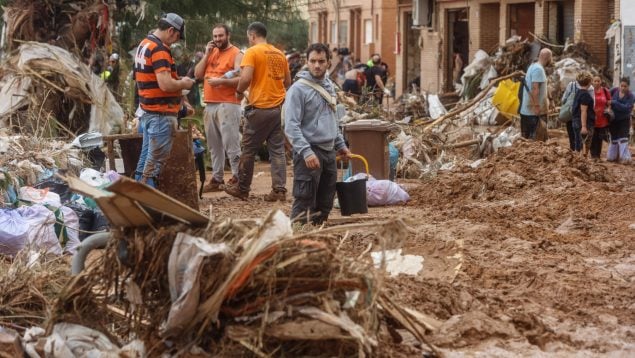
(309, 330)
(154, 199)
(120, 210)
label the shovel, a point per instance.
(585, 147)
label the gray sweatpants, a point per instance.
(222, 121)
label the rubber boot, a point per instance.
(612, 151)
(625, 153)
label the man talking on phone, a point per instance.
(220, 69)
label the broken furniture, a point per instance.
(178, 176)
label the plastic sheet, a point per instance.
(13, 232)
(41, 235)
(385, 192)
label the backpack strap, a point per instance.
(330, 100)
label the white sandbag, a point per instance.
(41, 235)
(385, 192)
(71, 221)
(39, 196)
(13, 232)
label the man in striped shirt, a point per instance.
(159, 95)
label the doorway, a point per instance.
(411, 54)
(458, 46)
(521, 20)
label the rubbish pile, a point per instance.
(73, 26)
(47, 91)
(38, 213)
(431, 138)
(235, 287)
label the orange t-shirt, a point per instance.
(152, 57)
(218, 63)
(270, 69)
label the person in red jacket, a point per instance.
(602, 103)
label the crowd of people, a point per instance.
(262, 78)
(289, 102)
(592, 113)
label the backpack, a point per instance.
(566, 109)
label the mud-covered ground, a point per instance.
(530, 254)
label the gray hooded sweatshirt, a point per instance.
(308, 118)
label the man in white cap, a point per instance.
(159, 95)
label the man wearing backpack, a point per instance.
(535, 103)
(312, 129)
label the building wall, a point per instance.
(590, 21)
(382, 13)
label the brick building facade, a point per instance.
(363, 26)
(465, 26)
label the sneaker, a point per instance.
(212, 186)
(233, 190)
(276, 196)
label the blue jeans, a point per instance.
(158, 131)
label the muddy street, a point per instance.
(531, 253)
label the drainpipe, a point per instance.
(337, 23)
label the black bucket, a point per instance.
(352, 197)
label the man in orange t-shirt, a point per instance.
(220, 66)
(265, 71)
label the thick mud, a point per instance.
(530, 254)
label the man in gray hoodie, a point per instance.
(312, 129)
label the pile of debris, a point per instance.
(235, 287)
(515, 55)
(39, 215)
(46, 91)
(74, 26)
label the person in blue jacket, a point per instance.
(622, 105)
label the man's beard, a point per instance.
(223, 45)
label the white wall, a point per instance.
(627, 15)
(627, 12)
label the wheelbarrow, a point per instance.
(352, 195)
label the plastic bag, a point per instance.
(385, 192)
(39, 196)
(506, 98)
(93, 177)
(41, 235)
(55, 185)
(13, 230)
(71, 221)
(184, 271)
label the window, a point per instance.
(343, 35)
(368, 31)
(333, 38)
(314, 33)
